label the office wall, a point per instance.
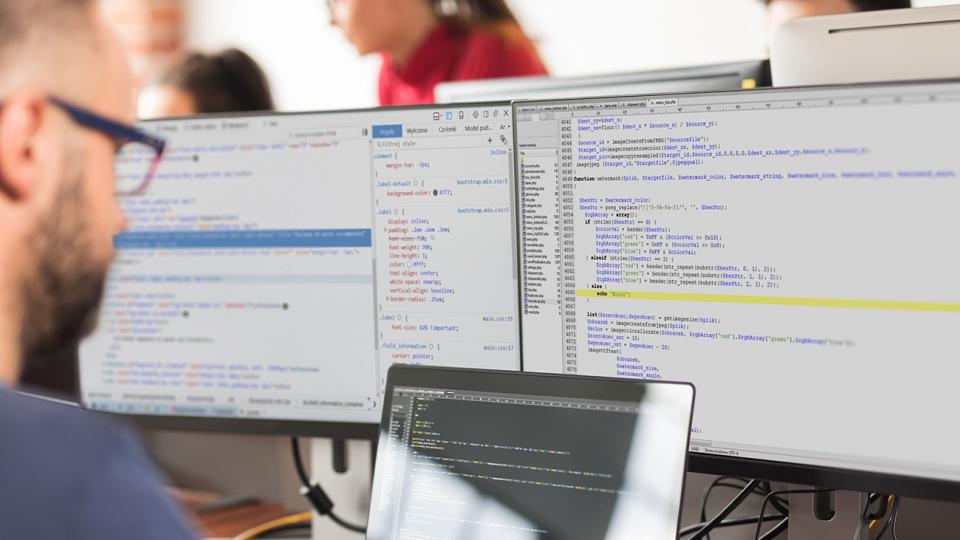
(312, 66)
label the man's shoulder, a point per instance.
(34, 427)
(87, 473)
(53, 445)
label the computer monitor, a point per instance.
(280, 263)
(520, 456)
(886, 45)
(789, 251)
(730, 76)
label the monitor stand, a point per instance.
(805, 524)
(349, 490)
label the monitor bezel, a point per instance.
(780, 471)
(757, 70)
(277, 426)
(522, 383)
(826, 477)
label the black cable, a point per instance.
(315, 494)
(780, 504)
(350, 526)
(732, 522)
(777, 529)
(298, 462)
(763, 507)
(886, 525)
(731, 506)
(867, 516)
(882, 511)
(727, 481)
(278, 532)
(705, 496)
(894, 514)
(762, 489)
(717, 482)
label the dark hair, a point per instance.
(872, 5)
(475, 12)
(229, 81)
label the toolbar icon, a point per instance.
(436, 117)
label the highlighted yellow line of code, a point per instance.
(888, 305)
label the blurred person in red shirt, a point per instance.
(427, 42)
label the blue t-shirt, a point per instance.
(67, 473)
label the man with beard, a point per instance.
(65, 96)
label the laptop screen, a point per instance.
(463, 461)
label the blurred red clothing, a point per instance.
(451, 53)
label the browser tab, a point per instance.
(663, 102)
(390, 131)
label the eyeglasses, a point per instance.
(138, 153)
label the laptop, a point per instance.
(499, 455)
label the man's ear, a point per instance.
(21, 119)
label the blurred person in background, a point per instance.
(427, 42)
(66, 101)
(228, 81)
(781, 11)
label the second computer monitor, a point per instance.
(879, 45)
(792, 252)
(730, 76)
(489, 455)
(279, 264)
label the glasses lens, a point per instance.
(132, 167)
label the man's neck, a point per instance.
(9, 352)
(9, 366)
(9, 332)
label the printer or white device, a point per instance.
(891, 45)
